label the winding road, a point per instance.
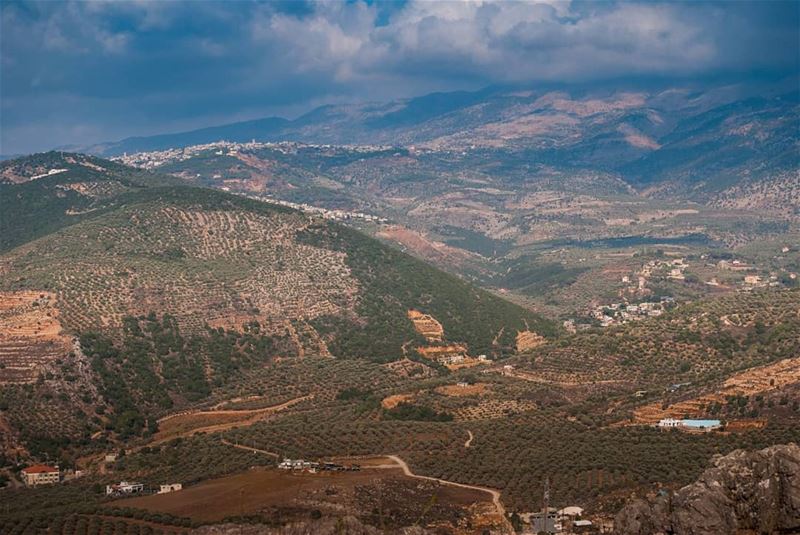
(468, 443)
(494, 493)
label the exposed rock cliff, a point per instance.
(743, 491)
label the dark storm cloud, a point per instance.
(90, 71)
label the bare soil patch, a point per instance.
(30, 335)
(426, 325)
(292, 495)
(527, 340)
(458, 391)
(186, 424)
(395, 400)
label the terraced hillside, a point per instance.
(44, 192)
(166, 294)
(210, 258)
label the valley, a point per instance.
(466, 320)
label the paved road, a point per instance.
(494, 493)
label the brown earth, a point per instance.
(31, 336)
(189, 423)
(395, 400)
(426, 325)
(266, 490)
(740, 426)
(747, 383)
(527, 340)
(457, 391)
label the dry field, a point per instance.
(393, 401)
(527, 340)
(459, 391)
(286, 496)
(30, 335)
(426, 325)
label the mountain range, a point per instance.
(658, 140)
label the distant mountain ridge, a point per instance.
(668, 141)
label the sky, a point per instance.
(75, 73)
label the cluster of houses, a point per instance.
(155, 159)
(333, 215)
(617, 313)
(673, 269)
(314, 467)
(126, 488)
(566, 520)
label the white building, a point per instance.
(571, 511)
(669, 422)
(40, 474)
(125, 487)
(170, 487)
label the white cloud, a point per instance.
(180, 61)
(498, 41)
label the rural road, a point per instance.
(234, 412)
(250, 416)
(248, 448)
(494, 493)
(469, 440)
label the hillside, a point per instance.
(208, 257)
(44, 192)
(160, 297)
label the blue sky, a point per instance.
(84, 72)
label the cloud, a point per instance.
(138, 67)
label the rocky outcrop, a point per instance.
(742, 492)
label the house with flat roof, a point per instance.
(669, 422)
(170, 487)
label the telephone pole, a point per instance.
(546, 505)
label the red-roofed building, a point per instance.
(40, 474)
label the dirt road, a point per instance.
(172, 427)
(494, 493)
(248, 448)
(468, 443)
